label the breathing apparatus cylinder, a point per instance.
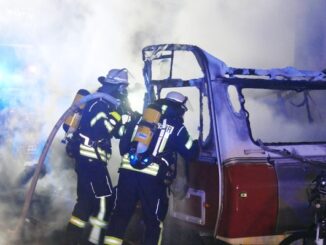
(72, 122)
(145, 131)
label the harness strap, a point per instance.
(90, 148)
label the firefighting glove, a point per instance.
(72, 147)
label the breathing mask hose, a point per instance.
(72, 109)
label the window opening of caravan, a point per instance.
(278, 116)
(233, 96)
(181, 65)
(179, 70)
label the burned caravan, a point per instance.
(262, 141)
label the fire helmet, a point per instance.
(115, 76)
(176, 97)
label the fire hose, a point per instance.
(29, 195)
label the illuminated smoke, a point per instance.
(63, 45)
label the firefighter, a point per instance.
(100, 121)
(147, 166)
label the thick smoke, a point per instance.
(62, 45)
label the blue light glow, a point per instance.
(10, 65)
(11, 77)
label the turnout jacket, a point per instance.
(170, 137)
(99, 123)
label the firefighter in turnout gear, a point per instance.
(149, 148)
(100, 121)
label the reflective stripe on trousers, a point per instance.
(110, 240)
(77, 222)
(98, 223)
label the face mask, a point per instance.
(123, 90)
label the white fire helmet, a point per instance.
(115, 76)
(177, 97)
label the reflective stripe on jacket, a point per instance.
(95, 153)
(151, 169)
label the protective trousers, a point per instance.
(94, 203)
(132, 187)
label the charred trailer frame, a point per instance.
(241, 189)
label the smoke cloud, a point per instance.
(50, 49)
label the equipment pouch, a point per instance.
(100, 183)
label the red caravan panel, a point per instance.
(203, 181)
(250, 200)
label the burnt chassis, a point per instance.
(240, 190)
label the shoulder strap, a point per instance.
(166, 131)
